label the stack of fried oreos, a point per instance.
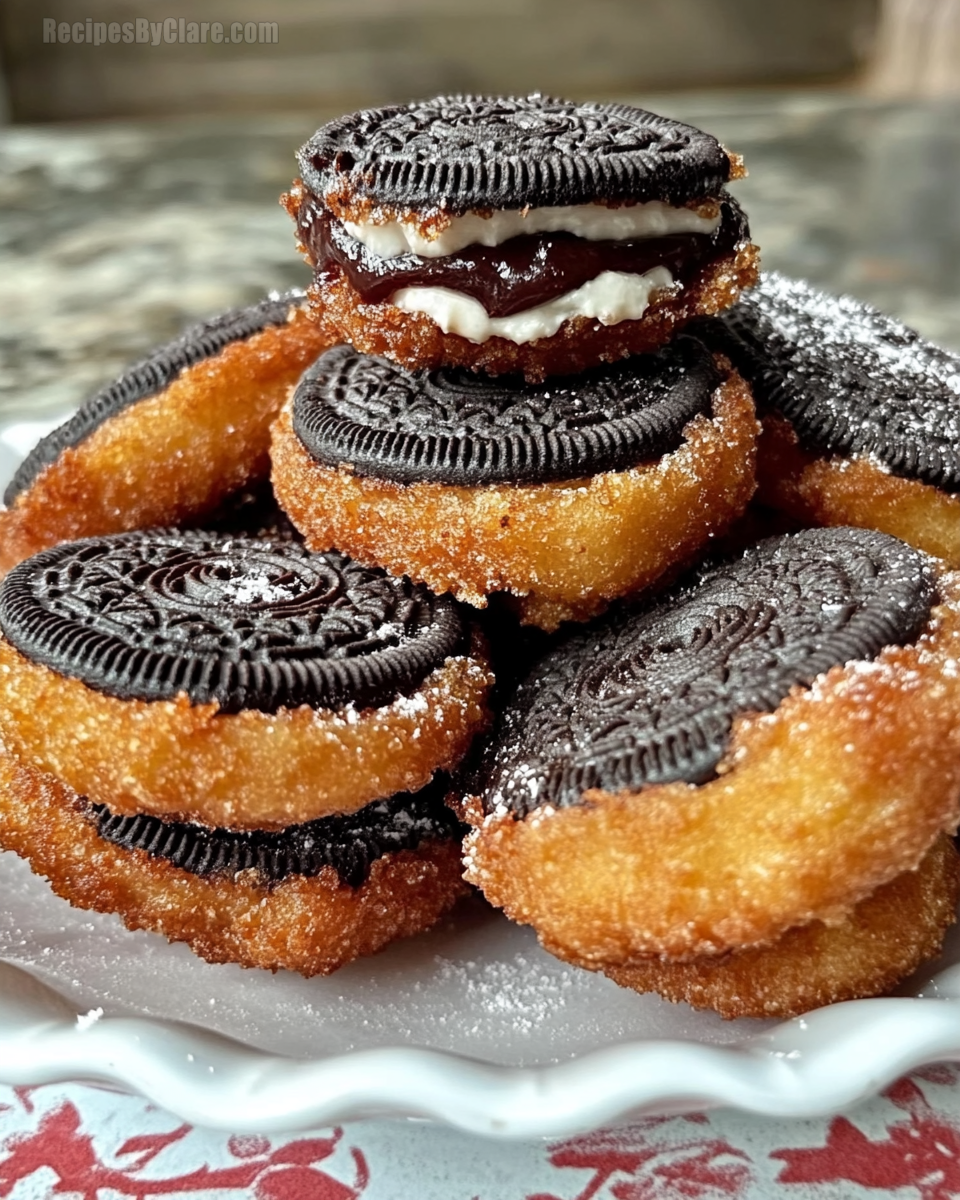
(215, 732)
(524, 378)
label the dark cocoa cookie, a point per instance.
(850, 380)
(763, 747)
(861, 415)
(245, 624)
(474, 152)
(252, 512)
(233, 682)
(517, 234)
(650, 696)
(260, 900)
(467, 429)
(563, 495)
(171, 439)
(349, 844)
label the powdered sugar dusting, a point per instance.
(506, 990)
(851, 380)
(649, 695)
(258, 588)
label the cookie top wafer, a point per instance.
(459, 427)
(850, 380)
(649, 695)
(462, 153)
(249, 624)
(150, 377)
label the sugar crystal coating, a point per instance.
(850, 380)
(473, 152)
(454, 426)
(246, 623)
(649, 695)
(148, 378)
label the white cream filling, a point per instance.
(611, 297)
(594, 222)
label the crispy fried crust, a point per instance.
(854, 491)
(311, 925)
(816, 805)
(172, 457)
(884, 939)
(414, 340)
(247, 770)
(563, 549)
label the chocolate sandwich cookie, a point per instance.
(516, 234)
(563, 495)
(171, 439)
(761, 748)
(235, 683)
(861, 416)
(309, 898)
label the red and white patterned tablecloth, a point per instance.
(88, 1144)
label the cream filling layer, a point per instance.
(595, 222)
(611, 297)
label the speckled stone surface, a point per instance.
(113, 236)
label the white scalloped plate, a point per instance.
(472, 1025)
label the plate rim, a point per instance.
(810, 1066)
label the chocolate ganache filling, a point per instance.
(519, 274)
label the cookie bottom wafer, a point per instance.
(311, 924)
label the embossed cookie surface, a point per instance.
(850, 380)
(249, 624)
(458, 427)
(507, 152)
(649, 696)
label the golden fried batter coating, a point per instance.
(415, 341)
(246, 770)
(816, 805)
(308, 924)
(565, 550)
(884, 939)
(172, 457)
(854, 491)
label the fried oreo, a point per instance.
(231, 741)
(171, 439)
(260, 900)
(762, 748)
(861, 416)
(516, 234)
(564, 495)
(231, 682)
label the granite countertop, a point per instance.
(113, 236)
